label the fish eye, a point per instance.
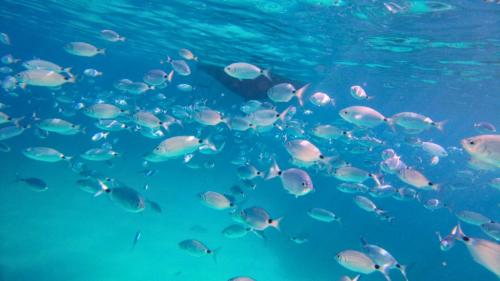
(228, 68)
(209, 251)
(472, 143)
(66, 78)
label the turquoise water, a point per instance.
(434, 58)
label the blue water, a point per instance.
(438, 59)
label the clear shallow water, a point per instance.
(443, 64)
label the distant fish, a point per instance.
(485, 128)
(197, 249)
(243, 71)
(359, 93)
(83, 49)
(45, 154)
(187, 54)
(137, 237)
(111, 36)
(34, 184)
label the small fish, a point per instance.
(91, 72)
(323, 215)
(357, 262)
(99, 136)
(83, 49)
(34, 184)
(45, 65)
(248, 172)
(187, 54)
(103, 111)
(296, 181)
(284, 92)
(197, 249)
(259, 219)
(321, 99)
(363, 116)
(447, 242)
(485, 128)
(245, 71)
(415, 123)
(137, 237)
(359, 93)
(4, 148)
(43, 78)
(215, 200)
(45, 154)
(111, 36)
(125, 197)
(155, 77)
(492, 229)
(236, 231)
(416, 179)
(179, 66)
(472, 218)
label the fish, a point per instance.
(5, 39)
(284, 92)
(45, 154)
(244, 71)
(155, 77)
(447, 242)
(492, 229)
(415, 123)
(137, 237)
(180, 146)
(259, 219)
(321, 99)
(485, 128)
(358, 262)
(359, 93)
(484, 252)
(416, 179)
(484, 148)
(215, 200)
(296, 181)
(33, 183)
(179, 66)
(99, 154)
(127, 198)
(351, 174)
(103, 111)
(45, 65)
(330, 132)
(91, 72)
(236, 231)
(59, 126)
(12, 131)
(473, 218)
(111, 36)
(248, 172)
(43, 78)
(383, 258)
(196, 248)
(363, 116)
(187, 54)
(83, 49)
(305, 151)
(323, 215)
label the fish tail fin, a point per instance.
(391, 123)
(122, 39)
(274, 170)
(276, 223)
(300, 94)
(385, 271)
(215, 253)
(284, 113)
(440, 125)
(101, 51)
(459, 234)
(67, 70)
(267, 74)
(403, 268)
(170, 76)
(356, 278)
(104, 188)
